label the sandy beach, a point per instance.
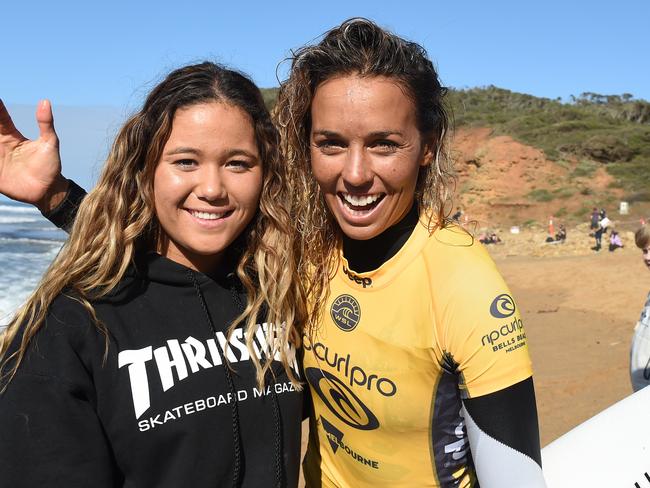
(579, 312)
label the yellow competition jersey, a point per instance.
(399, 348)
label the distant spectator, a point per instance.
(595, 218)
(602, 217)
(615, 241)
(640, 350)
(560, 236)
(491, 238)
(602, 228)
(456, 217)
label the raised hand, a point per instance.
(30, 170)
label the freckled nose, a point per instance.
(356, 170)
(211, 186)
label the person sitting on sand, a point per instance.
(560, 236)
(640, 350)
(490, 238)
(456, 217)
(615, 241)
(494, 238)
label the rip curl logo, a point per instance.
(341, 400)
(502, 306)
(345, 312)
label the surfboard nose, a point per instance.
(610, 450)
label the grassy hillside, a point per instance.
(596, 129)
(270, 97)
(610, 130)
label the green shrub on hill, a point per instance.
(596, 129)
(541, 195)
(270, 96)
(609, 129)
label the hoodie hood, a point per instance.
(151, 267)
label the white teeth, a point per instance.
(206, 215)
(361, 201)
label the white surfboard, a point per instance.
(610, 450)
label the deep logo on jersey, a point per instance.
(356, 278)
(341, 400)
(335, 439)
(345, 312)
(502, 306)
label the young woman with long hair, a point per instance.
(159, 347)
(415, 352)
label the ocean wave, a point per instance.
(18, 209)
(16, 220)
(51, 228)
(28, 240)
(26, 251)
(9, 306)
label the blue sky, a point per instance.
(89, 54)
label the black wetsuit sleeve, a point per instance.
(63, 215)
(503, 431)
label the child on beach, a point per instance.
(640, 350)
(124, 368)
(615, 241)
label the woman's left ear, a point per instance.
(428, 149)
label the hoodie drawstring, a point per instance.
(279, 465)
(234, 411)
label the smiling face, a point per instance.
(366, 152)
(207, 183)
(646, 256)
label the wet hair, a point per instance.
(642, 236)
(358, 47)
(117, 218)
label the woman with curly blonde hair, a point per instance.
(415, 355)
(159, 347)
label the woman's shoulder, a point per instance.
(57, 345)
(457, 263)
(455, 247)
(71, 327)
(71, 317)
(68, 308)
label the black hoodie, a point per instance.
(157, 410)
